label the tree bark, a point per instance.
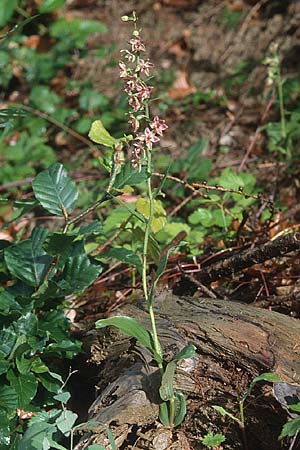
(235, 343)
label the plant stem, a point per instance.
(281, 106)
(149, 296)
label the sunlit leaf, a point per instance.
(131, 327)
(100, 135)
(213, 440)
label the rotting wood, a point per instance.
(235, 342)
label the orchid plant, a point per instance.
(147, 131)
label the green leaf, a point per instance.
(166, 390)
(164, 414)
(55, 190)
(44, 99)
(126, 256)
(223, 412)
(130, 177)
(59, 244)
(212, 440)
(5, 432)
(187, 352)
(180, 408)
(66, 421)
(49, 382)
(131, 327)
(35, 436)
(290, 428)
(268, 377)
(27, 261)
(100, 135)
(62, 397)
(4, 364)
(159, 271)
(50, 5)
(95, 447)
(202, 216)
(25, 386)
(76, 30)
(79, 272)
(8, 398)
(111, 439)
(6, 11)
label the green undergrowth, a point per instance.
(135, 215)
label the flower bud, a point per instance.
(125, 18)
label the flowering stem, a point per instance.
(148, 294)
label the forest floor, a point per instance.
(211, 84)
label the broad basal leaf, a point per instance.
(131, 327)
(27, 261)
(55, 190)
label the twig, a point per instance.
(247, 258)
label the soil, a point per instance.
(197, 43)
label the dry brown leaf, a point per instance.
(181, 88)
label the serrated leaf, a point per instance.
(27, 261)
(79, 272)
(290, 428)
(25, 386)
(129, 176)
(100, 135)
(66, 421)
(55, 190)
(131, 327)
(212, 440)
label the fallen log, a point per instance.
(235, 342)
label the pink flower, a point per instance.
(124, 70)
(134, 123)
(144, 66)
(137, 45)
(144, 91)
(128, 55)
(159, 125)
(130, 85)
(134, 102)
(148, 137)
